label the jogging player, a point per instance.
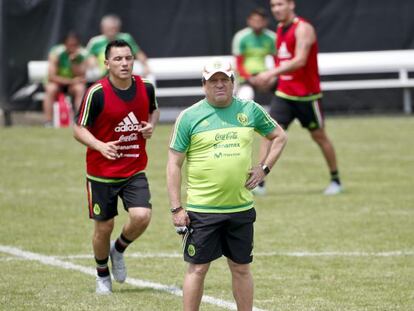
(118, 114)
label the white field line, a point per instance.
(267, 254)
(55, 262)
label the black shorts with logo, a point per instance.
(103, 196)
(309, 113)
(212, 235)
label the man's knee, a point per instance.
(240, 270)
(140, 216)
(319, 136)
(51, 89)
(77, 89)
(103, 228)
(198, 269)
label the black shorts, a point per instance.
(212, 235)
(103, 197)
(309, 113)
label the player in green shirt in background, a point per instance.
(215, 136)
(110, 28)
(66, 73)
(251, 47)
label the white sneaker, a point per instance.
(119, 271)
(104, 285)
(333, 188)
(259, 190)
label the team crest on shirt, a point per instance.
(96, 209)
(242, 118)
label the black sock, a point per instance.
(335, 177)
(122, 243)
(102, 267)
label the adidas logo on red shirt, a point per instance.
(129, 124)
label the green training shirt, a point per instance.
(254, 48)
(97, 45)
(218, 146)
(64, 64)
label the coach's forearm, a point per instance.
(174, 185)
(277, 145)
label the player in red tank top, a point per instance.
(298, 92)
(114, 122)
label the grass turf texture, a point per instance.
(43, 210)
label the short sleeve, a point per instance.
(91, 107)
(180, 138)
(263, 122)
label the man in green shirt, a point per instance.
(251, 46)
(110, 28)
(66, 73)
(215, 136)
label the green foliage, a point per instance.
(43, 210)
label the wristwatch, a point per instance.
(175, 210)
(265, 169)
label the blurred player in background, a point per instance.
(66, 73)
(117, 116)
(110, 29)
(251, 46)
(298, 93)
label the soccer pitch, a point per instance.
(354, 251)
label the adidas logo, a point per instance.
(129, 124)
(284, 52)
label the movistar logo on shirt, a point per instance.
(129, 124)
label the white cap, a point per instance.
(217, 65)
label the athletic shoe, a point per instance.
(104, 285)
(259, 190)
(333, 188)
(48, 124)
(118, 264)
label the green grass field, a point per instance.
(354, 251)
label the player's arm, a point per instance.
(92, 62)
(109, 150)
(305, 37)
(174, 177)
(92, 106)
(277, 141)
(78, 64)
(240, 67)
(142, 57)
(147, 128)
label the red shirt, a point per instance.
(119, 120)
(304, 81)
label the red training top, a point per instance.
(120, 120)
(305, 81)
